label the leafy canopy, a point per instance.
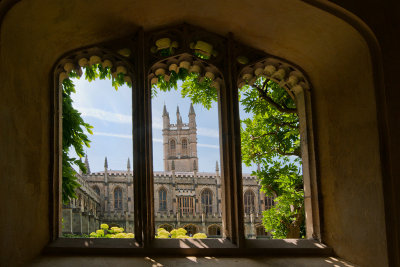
(271, 138)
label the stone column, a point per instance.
(92, 224)
(252, 226)
(76, 221)
(67, 220)
(85, 222)
(203, 223)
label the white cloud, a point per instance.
(122, 118)
(208, 132)
(105, 115)
(127, 136)
(157, 140)
(209, 146)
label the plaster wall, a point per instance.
(35, 33)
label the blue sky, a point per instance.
(109, 112)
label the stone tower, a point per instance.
(180, 142)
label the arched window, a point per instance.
(167, 227)
(214, 230)
(191, 229)
(162, 195)
(260, 231)
(206, 201)
(118, 198)
(184, 147)
(249, 202)
(269, 202)
(172, 148)
(96, 189)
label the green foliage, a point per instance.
(114, 232)
(75, 128)
(198, 89)
(271, 138)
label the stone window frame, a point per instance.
(162, 202)
(249, 207)
(233, 221)
(117, 201)
(184, 146)
(269, 202)
(191, 226)
(214, 226)
(172, 144)
(208, 207)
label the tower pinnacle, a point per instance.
(128, 165)
(87, 165)
(191, 110)
(105, 163)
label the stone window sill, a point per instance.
(200, 247)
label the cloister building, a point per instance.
(183, 196)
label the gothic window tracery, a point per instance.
(118, 198)
(96, 189)
(172, 148)
(260, 231)
(186, 205)
(206, 201)
(191, 229)
(249, 206)
(214, 230)
(269, 202)
(184, 147)
(162, 194)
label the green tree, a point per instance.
(271, 139)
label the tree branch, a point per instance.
(265, 96)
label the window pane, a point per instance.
(272, 178)
(186, 164)
(105, 191)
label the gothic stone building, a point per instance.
(183, 196)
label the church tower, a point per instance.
(180, 142)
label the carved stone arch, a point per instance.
(191, 64)
(287, 75)
(191, 229)
(207, 200)
(117, 194)
(214, 230)
(166, 226)
(184, 141)
(117, 59)
(96, 189)
(296, 83)
(162, 198)
(249, 201)
(260, 231)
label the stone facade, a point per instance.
(183, 197)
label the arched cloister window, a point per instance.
(249, 206)
(214, 230)
(184, 147)
(269, 202)
(166, 226)
(260, 231)
(162, 195)
(96, 189)
(206, 201)
(118, 198)
(172, 148)
(191, 229)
